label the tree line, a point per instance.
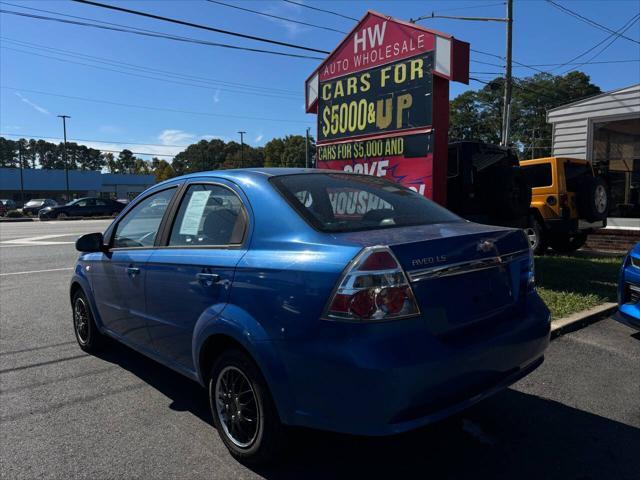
(214, 154)
(477, 115)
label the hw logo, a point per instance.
(369, 37)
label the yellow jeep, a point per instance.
(569, 201)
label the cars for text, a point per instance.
(629, 289)
(83, 207)
(311, 298)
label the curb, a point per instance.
(582, 319)
(19, 219)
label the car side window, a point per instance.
(209, 215)
(140, 225)
(101, 203)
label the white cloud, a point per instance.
(110, 129)
(216, 96)
(259, 138)
(173, 137)
(33, 105)
(288, 10)
(167, 138)
(211, 137)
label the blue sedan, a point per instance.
(629, 290)
(312, 298)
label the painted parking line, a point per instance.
(36, 271)
(18, 245)
(41, 240)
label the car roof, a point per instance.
(256, 174)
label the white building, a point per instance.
(605, 129)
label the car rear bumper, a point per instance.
(395, 377)
(626, 318)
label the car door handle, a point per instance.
(207, 279)
(133, 271)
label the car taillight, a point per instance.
(374, 287)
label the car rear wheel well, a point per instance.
(74, 289)
(213, 347)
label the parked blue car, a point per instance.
(629, 290)
(306, 297)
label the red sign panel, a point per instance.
(375, 42)
(414, 173)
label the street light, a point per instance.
(242, 148)
(64, 153)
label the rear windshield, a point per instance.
(339, 202)
(538, 175)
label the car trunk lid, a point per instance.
(462, 273)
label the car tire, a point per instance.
(593, 199)
(536, 235)
(85, 329)
(61, 216)
(567, 243)
(256, 435)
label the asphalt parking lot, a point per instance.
(65, 414)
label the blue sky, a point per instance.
(259, 93)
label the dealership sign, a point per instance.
(381, 99)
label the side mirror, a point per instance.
(91, 242)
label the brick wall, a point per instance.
(613, 240)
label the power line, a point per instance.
(479, 81)
(149, 107)
(207, 87)
(612, 36)
(94, 141)
(264, 14)
(631, 60)
(468, 7)
(197, 25)
(589, 21)
(605, 47)
(149, 33)
(487, 63)
(321, 10)
(196, 78)
(585, 63)
(531, 67)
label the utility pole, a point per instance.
(306, 149)
(242, 148)
(64, 153)
(21, 172)
(506, 108)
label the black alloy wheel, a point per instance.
(243, 411)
